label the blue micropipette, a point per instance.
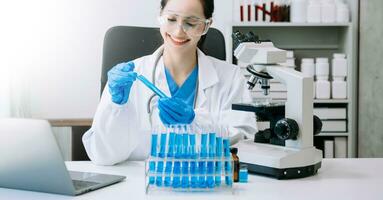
(151, 86)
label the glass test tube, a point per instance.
(185, 156)
(177, 163)
(161, 156)
(170, 156)
(226, 148)
(153, 153)
(202, 161)
(193, 157)
(210, 164)
(218, 155)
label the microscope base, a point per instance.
(279, 161)
(287, 173)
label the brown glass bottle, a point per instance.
(235, 157)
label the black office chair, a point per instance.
(125, 43)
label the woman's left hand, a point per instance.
(175, 111)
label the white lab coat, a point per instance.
(121, 132)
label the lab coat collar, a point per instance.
(207, 75)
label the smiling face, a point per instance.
(179, 20)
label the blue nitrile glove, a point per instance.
(175, 111)
(120, 80)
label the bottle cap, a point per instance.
(339, 55)
(307, 60)
(322, 60)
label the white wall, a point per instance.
(66, 78)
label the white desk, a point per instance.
(359, 179)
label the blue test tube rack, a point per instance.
(185, 158)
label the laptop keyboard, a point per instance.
(82, 184)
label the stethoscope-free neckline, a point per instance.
(149, 110)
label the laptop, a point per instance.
(31, 160)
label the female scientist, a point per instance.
(200, 88)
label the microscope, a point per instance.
(285, 150)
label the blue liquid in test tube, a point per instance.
(202, 163)
(228, 172)
(193, 163)
(161, 155)
(170, 155)
(153, 153)
(177, 163)
(218, 164)
(210, 164)
(185, 156)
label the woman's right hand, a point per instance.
(120, 80)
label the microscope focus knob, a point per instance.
(286, 129)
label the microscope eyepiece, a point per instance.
(251, 82)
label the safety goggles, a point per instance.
(192, 26)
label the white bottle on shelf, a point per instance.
(298, 11)
(314, 11)
(342, 13)
(322, 88)
(339, 74)
(328, 11)
(339, 89)
(339, 65)
(308, 69)
(322, 85)
(322, 67)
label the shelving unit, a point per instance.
(315, 40)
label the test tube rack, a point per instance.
(189, 161)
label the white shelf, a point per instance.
(289, 24)
(332, 134)
(331, 101)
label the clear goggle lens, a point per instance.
(192, 26)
